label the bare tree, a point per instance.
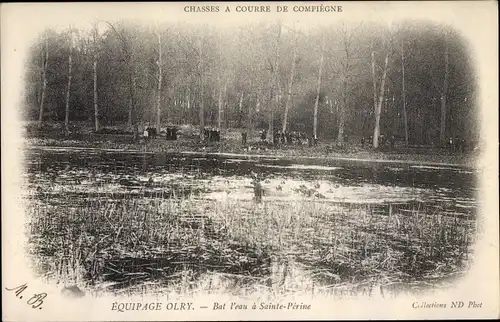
(346, 71)
(94, 70)
(290, 85)
(374, 80)
(160, 68)
(378, 107)
(45, 60)
(442, 88)
(403, 92)
(274, 86)
(222, 84)
(250, 110)
(240, 108)
(202, 96)
(126, 48)
(220, 103)
(318, 89)
(70, 75)
(444, 94)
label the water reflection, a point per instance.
(445, 188)
(366, 200)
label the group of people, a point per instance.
(457, 144)
(289, 138)
(383, 140)
(212, 135)
(151, 133)
(172, 133)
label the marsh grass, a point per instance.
(186, 245)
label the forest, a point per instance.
(411, 80)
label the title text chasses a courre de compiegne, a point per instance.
(261, 8)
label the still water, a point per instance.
(73, 179)
(446, 188)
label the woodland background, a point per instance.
(413, 80)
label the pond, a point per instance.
(120, 220)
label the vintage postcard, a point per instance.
(249, 161)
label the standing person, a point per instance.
(243, 138)
(263, 135)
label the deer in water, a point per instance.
(257, 187)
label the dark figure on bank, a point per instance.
(387, 142)
(303, 137)
(244, 138)
(172, 133)
(152, 132)
(451, 144)
(462, 144)
(216, 135)
(367, 141)
(381, 140)
(277, 137)
(212, 135)
(263, 135)
(456, 144)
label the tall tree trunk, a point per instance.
(94, 68)
(270, 129)
(222, 86)
(376, 132)
(249, 118)
(129, 121)
(345, 84)
(219, 117)
(45, 60)
(158, 103)
(240, 110)
(403, 93)
(274, 103)
(133, 111)
(202, 98)
(131, 102)
(343, 107)
(346, 71)
(68, 90)
(444, 93)
(374, 78)
(188, 106)
(224, 104)
(96, 106)
(318, 90)
(289, 93)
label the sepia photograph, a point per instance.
(250, 161)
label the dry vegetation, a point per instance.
(185, 245)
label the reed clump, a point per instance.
(191, 245)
